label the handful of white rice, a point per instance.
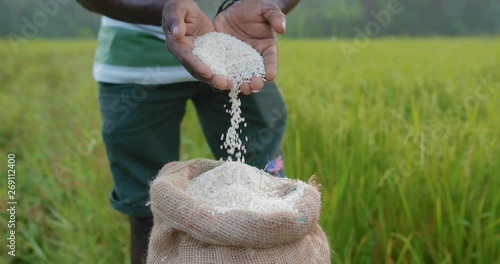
(229, 56)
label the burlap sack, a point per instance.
(186, 231)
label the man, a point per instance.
(143, 89)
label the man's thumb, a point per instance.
(173, 21)
(276, 18)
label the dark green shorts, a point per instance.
(141, 130)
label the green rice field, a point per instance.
(403, 134)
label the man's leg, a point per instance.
(265, 114)
(141, 130)
(140, 228)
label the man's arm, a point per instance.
(286, 5)
(147, 11)
(182, 20)
(134, 11)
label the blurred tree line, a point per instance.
(46, 18)
(311, 19)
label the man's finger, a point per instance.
(219, 82)
(245, 88)
(256, 84)
(270, 56)
(194, 65)
(230, 84)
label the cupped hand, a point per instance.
(182, 21)
(255, 22)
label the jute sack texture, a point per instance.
(186, 231)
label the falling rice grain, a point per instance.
(239, 62)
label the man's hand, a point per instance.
(255, 22)
(183, 20)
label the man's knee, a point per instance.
(265, 143)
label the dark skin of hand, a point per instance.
(253, 21)
(182, 22)
(256, 23)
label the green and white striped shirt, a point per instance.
(136, 53)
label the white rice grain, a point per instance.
(239, 62)
(237, 186)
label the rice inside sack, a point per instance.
(237, 186)
(197, 226)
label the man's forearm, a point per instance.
(147, 11)
(286, 5)
(133, 11)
